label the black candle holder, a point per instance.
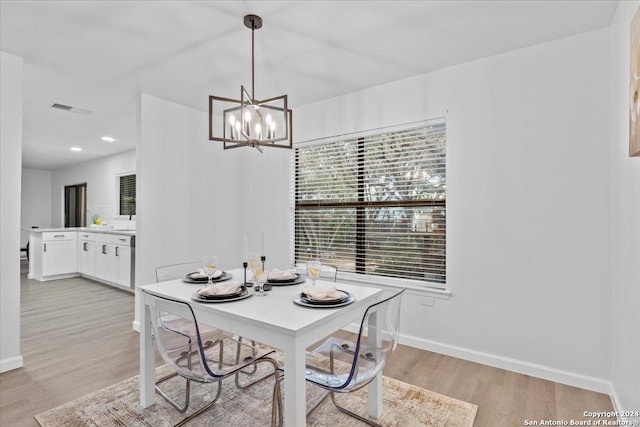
(265, 286)
(244, 265)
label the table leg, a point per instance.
(147, 357)
(294, 386)
(375, 386)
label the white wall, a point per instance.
(528, 215)
(625, 203)
(102, 189)
(10, 165)
(36, 201)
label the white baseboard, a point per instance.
(617, 407)
(11, 363)
(520, 366)
(136, 325)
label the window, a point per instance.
(375, 204)
(127, 194)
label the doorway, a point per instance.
(75, 205)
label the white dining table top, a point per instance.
(275, 311)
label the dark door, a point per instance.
(75, 205)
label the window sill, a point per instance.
(391, 283)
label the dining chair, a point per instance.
(210, 335)
(176, 271)
(339, 365)
(184, 349)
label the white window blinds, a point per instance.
(375, 204)
(128, 195)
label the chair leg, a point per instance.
(317, 403)
(277, 415)
(202, 409)
(277, 406)
(187, 393)
(249, 373)
(352, 414)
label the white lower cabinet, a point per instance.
(105, 262)
(113, 259)
(86, 254)
(108, 258)
(58, 253)
(123, 256)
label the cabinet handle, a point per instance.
(45, 248)
(85, 235)
(104, 249)
(84, 246)
(117, 251)
(58, 235)
(123, 240)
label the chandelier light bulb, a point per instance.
(247, 122)
(232, 128)
(271, 133)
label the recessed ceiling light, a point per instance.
(76, 149)
(108, 139)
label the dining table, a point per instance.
(274, 320)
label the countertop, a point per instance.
(102, 230)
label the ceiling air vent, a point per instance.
(69, 108)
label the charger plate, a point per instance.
(303, 301)
(224, 276)
(246, 294)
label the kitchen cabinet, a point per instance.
(105, 261)
(58, 253)
(123, 268)
(107, 257)
(87, 254)
(114, 259)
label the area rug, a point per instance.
(118, 405)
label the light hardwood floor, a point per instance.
(77, 338)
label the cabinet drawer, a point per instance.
(122, 240)
(86, 237)
(114, 239)
(52, 236)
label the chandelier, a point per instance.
(250, 122)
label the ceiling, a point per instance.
(98, 55)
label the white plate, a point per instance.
(197, 298)
(298, 300)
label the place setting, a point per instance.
(324, 295)
(208, 274)
(217, 287)
(222, 292)
(285, 277)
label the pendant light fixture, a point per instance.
(250, 122)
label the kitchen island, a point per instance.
(99, 253)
